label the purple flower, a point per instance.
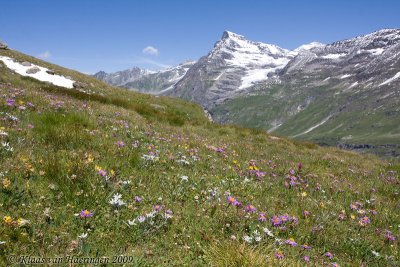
(102, 173)
(389, 236)
(306, 247)
(306, 213)
(300, 165)
(138, 199)
(262, 217)
(30, 105)
(284, 218)
(10, 102)
(157, 208)
(334, 264)
(250, 208)
(120, 144)
(86, 213)
(329, 255)
(292, 172)
(306, 258)
(276, 221)
(291, 242)
(364, 221)
(231, 200)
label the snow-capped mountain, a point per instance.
(232, 66)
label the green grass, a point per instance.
(60, 145)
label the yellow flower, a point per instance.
(352, 216)
(6, 183)
(304, 194)
(112, 172)
(97, 168)
(89, 158)
(7, 220)
(321, 204)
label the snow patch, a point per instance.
(346, 76)
(41, 75)
(333, 56)
(354, 84)
(254, 76)
(395, 77)
(376, 51)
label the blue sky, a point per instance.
(112, 35)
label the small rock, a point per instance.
(26, 64)
(3, 45)
(32, 70)
(51, 72)
(79, 85)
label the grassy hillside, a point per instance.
(361, 118)
(115, 172)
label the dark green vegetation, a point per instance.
(348, 117)
(65, 156)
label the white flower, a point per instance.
(117, 200)
(150, 157)
(248, 239)
(184, 178)
(375, 253)
(2, 242)
(3, 133)
(125, 182)
(131, 223)
(268, 232)
(141, 219)
(151, 214)
(83, 236)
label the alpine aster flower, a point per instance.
(250, 208)
(86, 213)
(120, 144)
(231, 200)
(276, 221)
(291, 242)
(262, 217)
(364, 221)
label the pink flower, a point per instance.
(279, 255)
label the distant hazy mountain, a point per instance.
(161, 81)
(144, 80)
(121, 78)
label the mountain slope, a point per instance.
(346, 93)
(109, 171)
